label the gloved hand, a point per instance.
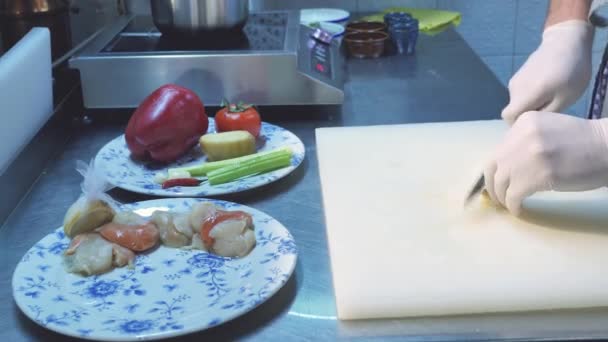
(556, 74)
(548, 151)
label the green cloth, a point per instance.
(430, 21)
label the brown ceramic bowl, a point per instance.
(365, 44)
(365, 26)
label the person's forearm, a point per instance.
(563, 10)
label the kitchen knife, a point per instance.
(477, 189)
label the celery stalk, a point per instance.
(260, 164)
(202, 169)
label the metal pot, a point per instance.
(194, 16)
(24, 8)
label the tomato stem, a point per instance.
(235, 107)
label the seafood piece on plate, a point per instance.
(169, 234)
(200, 212)
(205, 227)
(85, 216)
(182, 224)
(122, 256)
(229, 233)
(90, 254)
(137, 238)
(197, 243)
(129, 217)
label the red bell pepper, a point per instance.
(167, 124)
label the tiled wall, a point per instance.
(505, 32)
(502, 32)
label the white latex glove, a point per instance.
(556, 74)
(548, 151)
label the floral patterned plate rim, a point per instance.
(120, 170)
(169, 292)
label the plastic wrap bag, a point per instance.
(94, 207)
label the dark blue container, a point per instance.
(403, 29)
(396, 17)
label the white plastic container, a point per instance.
(26, 92)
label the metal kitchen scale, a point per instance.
(273, 60)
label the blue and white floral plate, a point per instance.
(170, 292)
(120, 170)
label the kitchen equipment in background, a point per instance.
(193, 16)
(320, 50)
(24, 8)
(13, 28)
(317, 15)
(365, 26)
(269, 62)
(405, 246)
(26, 92)
(365, 44)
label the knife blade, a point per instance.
(477, 188)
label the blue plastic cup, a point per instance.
(396, 17)
(400, 37)
(405, 35)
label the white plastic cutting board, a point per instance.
(401, 243)
(26, 92)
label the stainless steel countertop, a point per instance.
(445, 81)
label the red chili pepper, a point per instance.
(180, 182)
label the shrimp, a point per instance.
(137, 238)
(228, 233)
(169, 234)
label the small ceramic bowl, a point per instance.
(336, 30)
(365, 44)
(365, 26)
(332, 15)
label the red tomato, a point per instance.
(238, 117)
(218, 217)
